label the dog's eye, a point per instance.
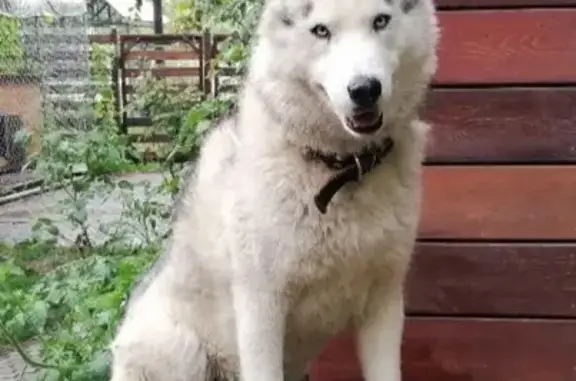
(381, 21)
(320, 31)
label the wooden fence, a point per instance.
(186, 59)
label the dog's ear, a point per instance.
(408, 5)
(289, 13)
(276, 11)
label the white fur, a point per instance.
(256, 281)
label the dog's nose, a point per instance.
(365, 91)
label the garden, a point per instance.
(65, 294)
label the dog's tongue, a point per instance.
(364, 118)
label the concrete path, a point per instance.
(17, 218)
(12, 368)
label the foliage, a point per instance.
(180, 111)
(72, 308)
(236, 18)
(11, 53)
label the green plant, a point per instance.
(180, 111)
(12, 60)
(235, 18)
(72, 309)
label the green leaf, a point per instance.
(124, 184)
(39, 314)
(80, 216)
(53, 230)
(51, 375)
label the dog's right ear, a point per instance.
(408, 5)
(288, 12)
(277, 10)
(285, 17)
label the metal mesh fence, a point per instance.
(45, 79)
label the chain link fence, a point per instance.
(45, 79)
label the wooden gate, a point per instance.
(492, 292)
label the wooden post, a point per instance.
(115, 78)
(206, 64)
(158, 22)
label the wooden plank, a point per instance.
(102, 39)
(165, 72)
(141, 121)
(493, 279)
(177, 83)
(149, 138)
(166, 55)
(161, 38)
(512, 47)
(145, 38)
(526, 125)
(468, 350)
(483, 4)
(503, 202)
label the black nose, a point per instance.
(365, 91)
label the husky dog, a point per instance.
(301, 216)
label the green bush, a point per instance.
(72, 308)
(12, 59)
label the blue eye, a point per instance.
(381, 21)
(320, 31)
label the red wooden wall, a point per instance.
(492, 292)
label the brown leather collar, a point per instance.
(350, 168)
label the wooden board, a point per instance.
(167, 55)
(482, 4)
(507, 125)
(493, 279)
(512, 47)
(468, 350)
(165, 72)
(507, 202)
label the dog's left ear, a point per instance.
(408, 5)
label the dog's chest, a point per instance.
(363, 223)
(366, 235)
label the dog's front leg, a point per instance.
(380, 336)
(260, 325)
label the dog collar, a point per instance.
(350, 168)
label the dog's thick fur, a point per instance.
(256, 280)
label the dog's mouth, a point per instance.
(365, 121)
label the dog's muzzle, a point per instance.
(365, 121)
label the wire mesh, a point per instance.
(45, 79)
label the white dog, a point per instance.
(300, 220)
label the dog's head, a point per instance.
(362, 57)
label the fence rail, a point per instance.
(185, 59)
